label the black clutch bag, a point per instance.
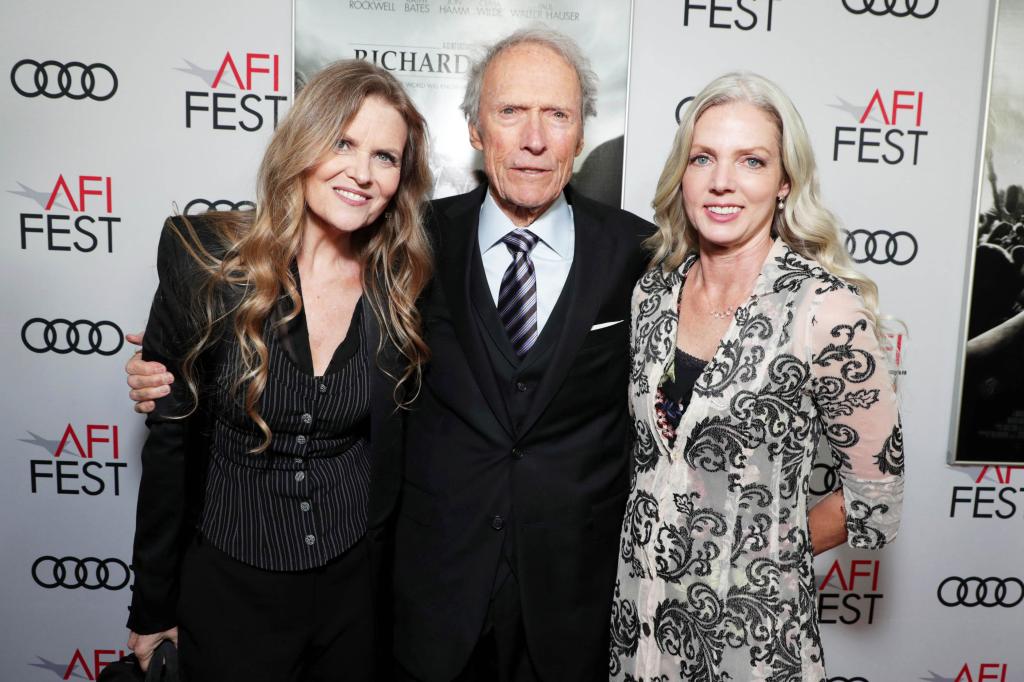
(163, 667)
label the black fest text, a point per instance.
(998, 501)
(745, 15)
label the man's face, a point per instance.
(530, 129)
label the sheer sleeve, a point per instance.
(859, 414)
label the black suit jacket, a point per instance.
(555, 477)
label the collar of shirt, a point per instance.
(554, 228)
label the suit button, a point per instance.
(300, 476)
(305, 506)
(520, 386)
(323, 388)
(517, 453)
(497, 523)
(300, 439)
(307, 418)
(310, 540)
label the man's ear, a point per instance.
(474, 138)
(579, 146)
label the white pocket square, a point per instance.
(602, 325)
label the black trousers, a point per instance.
(238, 623)
(500, 655)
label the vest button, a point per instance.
(517, 453)
(497, 523)
(521, 386)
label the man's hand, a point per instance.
(144, 645)
(148, 380)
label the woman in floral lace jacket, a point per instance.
(753, 340)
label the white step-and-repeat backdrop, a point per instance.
(118, 114)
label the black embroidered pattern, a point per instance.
(637, 528)
(678, 551)
(625, 632)
(890, 459)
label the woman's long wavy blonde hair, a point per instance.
(261, 245)
(805, 225)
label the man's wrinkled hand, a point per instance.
(148, 380)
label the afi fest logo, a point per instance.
(993, 495)
(889, 129)
(746, 15)
(85, 460)
(75, 214)
(973, 672)
(54, 80)
(918, 9)
(241, 93)
(848, 593)
(84, 664)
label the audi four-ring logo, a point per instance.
(829, 481)
(881, 246)
(920, 9)
(89, 573)
(203, 205)
(975, 591)
(65, 336)
(74, 80)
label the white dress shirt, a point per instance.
(552, 256)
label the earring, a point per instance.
(782, 203)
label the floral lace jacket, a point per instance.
(716, 579)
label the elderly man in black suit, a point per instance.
(515, 468)
(516, 464)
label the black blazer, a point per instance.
(174, 457)
(555, 476)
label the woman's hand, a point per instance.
(826, 522)
(144, 645)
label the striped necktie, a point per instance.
(517, 297)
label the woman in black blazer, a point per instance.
(293, 335)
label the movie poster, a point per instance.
(991, 420)
(429, 46)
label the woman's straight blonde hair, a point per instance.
(260, 246)
(805, 225)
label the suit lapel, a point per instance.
(458, 227)
(585, 289)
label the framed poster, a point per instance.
(429, 45)
(989, 419)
